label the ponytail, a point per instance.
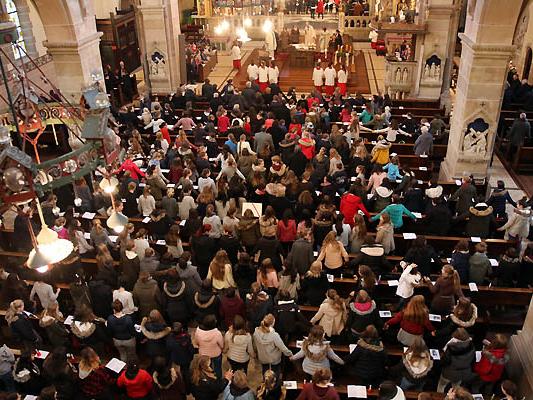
(266, 323)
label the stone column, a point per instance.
(520, 366)
(441, 19)
(486, 50)
(479, 95)
(159, 31)
(23, 11)
(73, 43)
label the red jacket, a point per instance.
(287, 233)
(410, 327)
(129, 165)
(490, 367)
(320, 7)
(223, 124)
(230, 307)
(138, 387)
(350, 205)
(166, 135)
(312, 392)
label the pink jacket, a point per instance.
(210, 343)
(287, 233)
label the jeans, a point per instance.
(126, 349)
(9, 383)
(216, 364)
(406, 384)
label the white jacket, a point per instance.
(330, 74)
(407, 282)
(253, 72)
(273, 74)
(263, 74)
(342, 76)
(235, 53)
(318, 76)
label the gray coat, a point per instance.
(301, 255)
(520, 130)
(424, 144)
(261, 139)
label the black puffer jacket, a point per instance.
(204, 303)
(367, 362)
(289, 319)
(176, 301)
(480, 220)
(360, 315)
(458, 359)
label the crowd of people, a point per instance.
(239, 215)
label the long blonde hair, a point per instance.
(15, 307)
(89, 360)
(267, 322)
(201, 369)
(336, 300)
(218, 265)
(449, 272)
(331, 239)
(416, 310)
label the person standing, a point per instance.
(320, 9)
(263, 77)
(330, 74)
(236, 55)
(273, 73)
(318, 77)
(520, 130)
(253, 72)
(342, 80)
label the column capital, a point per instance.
(487, 50)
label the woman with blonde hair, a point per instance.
(358, 233)
(267, 277)
(413, 320)
(52, 321)
(271, 388)
(331, 314)
(333, 252)
(220, 272)
(385, 233)
(205, 384)
(415, 365)
(238, 345)
(95, 380)
(316, 352)
(21, 326)
(445, 290)
(268, 223)
(334, 159)
(99, 235)
(269, 345)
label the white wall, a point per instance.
(104, 7)
(38, 29)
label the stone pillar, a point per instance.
(486, 51)
(439, 41)
(159, 33)
(479, 95)
(23, 11)
(520, 366)
(73, 43)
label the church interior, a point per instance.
(266, 199)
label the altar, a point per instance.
(302, 55)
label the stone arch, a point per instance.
(73, 42)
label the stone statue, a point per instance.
(426, 71)
(405, 74)
(157, 64)
(309, 35)
(475, 143)
(437, 72)
(432, 71)
(398, 75)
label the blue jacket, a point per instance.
(393, 172)
(396, 212)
